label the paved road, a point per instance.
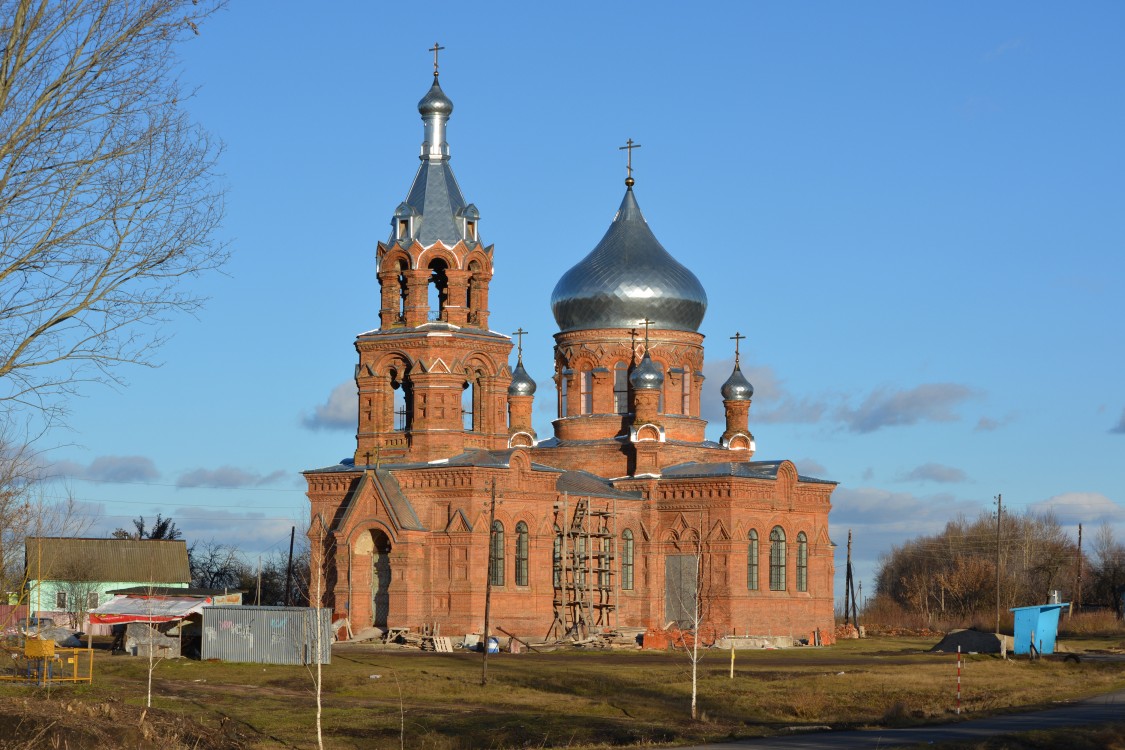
(1101, 709)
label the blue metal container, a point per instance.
(1036, 628)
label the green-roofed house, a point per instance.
(68, 577)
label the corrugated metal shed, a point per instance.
(150, 560)
(267, 635)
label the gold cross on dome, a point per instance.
(436, 49)
(737, 337)
(629, 146)
(520, 334)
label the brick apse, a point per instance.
(626, 516)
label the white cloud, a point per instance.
(338, 412)
(933, 473)
(929, 402)
(122, 469)
(1081, 507)
(810, 467)
(228, 477)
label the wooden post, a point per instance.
(488, 585)
(999, 509)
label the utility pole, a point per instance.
(488, 584)
(848, 581)
(1078, 584)
(289, 567)
(999, 510)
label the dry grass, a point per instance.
(589, 699)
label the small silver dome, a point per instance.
(627, 278)
(435, 102)
(522, 384)
(647, 376)
(737, 387)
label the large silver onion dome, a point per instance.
(737, 387)
(627, 278)
(522, 384)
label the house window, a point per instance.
(627, 560)
(60, 600)
(586, 389)
(752, 561)
(496, 555)
(621, 388)
(521, 554)
(802, 562)
(92, 600)
(777, 559)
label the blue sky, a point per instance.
(912, 210)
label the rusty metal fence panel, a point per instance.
(266, 635)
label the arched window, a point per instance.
(556, 558)
(802, 562)
(777, 559)
(686, 406)
(401, 290)
(437, 289)
(752, 561)
(401, 400)
(521, 554)
(587, 392)
(627, 559)
(496, 555)
(564, 392)
(468, 399)
(621, 388)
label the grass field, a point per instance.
(375, 698)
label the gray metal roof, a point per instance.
(436, 198)
(583, 483)
(647, 376)
(748, 469)
(627, 278)
(387, 488)
(150, 560)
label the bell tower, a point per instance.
(432, 379)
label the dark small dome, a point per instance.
(435, 102)
(647, 376)
(522, 384)
(629, 277)
(737, 387)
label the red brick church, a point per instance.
(627, 516)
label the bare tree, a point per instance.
(162, 528)
(215, 565)
(108, 191)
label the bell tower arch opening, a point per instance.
(438, 288)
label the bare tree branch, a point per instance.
(108, 192)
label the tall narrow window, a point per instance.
(621, 388)
(468, 399)
(521, 554)
(401, 291)
(660, 401)
(586, 387)
(686, 406)
(437, 288)
(752, 561)
(400, 401)
(802, 562)
(604, 560)
(777, 559)
(556, 558)
(627, 559)
(496, 555)
(564, 392)
(60, 600)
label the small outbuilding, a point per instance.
(1036, 627)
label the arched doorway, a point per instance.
(380, 577)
